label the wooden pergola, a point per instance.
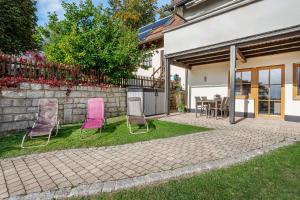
(275, 42)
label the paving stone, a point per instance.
(120, 167)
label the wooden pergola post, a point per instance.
(233, 52)
(167, 86)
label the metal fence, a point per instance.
(27, 69)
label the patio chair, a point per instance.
(199, 105)
(95, 118)
(135, 114)
(223, 107)
(47, 120)
(217, 96)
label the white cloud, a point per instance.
(45, 6)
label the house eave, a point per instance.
(213, 13)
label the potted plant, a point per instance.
(181, 107)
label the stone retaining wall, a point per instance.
(18, 106)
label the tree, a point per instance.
(134, 13)
(91, 38)
(17, 26)
(163, 11)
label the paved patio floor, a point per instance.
(73, 168)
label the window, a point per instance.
(296, 82)
(243, 83)
(147, 62)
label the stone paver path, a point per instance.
(70, 168)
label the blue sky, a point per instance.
(45, 6)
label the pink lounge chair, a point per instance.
(95, 118)
(47, 120)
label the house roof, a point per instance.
(155, 30)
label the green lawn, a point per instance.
(272, 176)
(115, 133)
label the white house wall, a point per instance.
(156, 63)
(252, 19)
(217, 81)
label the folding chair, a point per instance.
(47, 120)
(135, 114)
(95, 118)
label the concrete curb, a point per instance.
(157, 177)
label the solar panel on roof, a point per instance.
(144, 31)
(143, 35)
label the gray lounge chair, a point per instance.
(47, 120)
(135, 114)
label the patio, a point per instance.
(80, 172)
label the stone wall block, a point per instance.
(79, 111)
(20, 125)
(83, 100)
(122, 104)
(14, 110)
(112, 109)
(23, 117)
(68, 106)
(81, 105)
(5, 102)
(76, 94)
(24, 86)
(62, 101)
(6, 127)
(35, 102)
(6, 118)
(69, 100)
(60, 94)
(111, 100)
(13, 94)
(67, 116)
(49, 94)
(109, 95)
(35, 94)
(21, 102)
(32, 110)
(117, 102)
(36, 86)
(78, 118)
(111, 105)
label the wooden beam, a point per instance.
(179, 64)
(273, 51)
(209, 61)
(240, 56)
(204, 58)
(200, 54)
(270, 46)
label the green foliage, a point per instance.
(163, 11)
(88, 36)
(17, 26)
(135, 13)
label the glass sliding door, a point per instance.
(270, 91)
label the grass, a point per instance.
(115, 133)
(272, 176)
